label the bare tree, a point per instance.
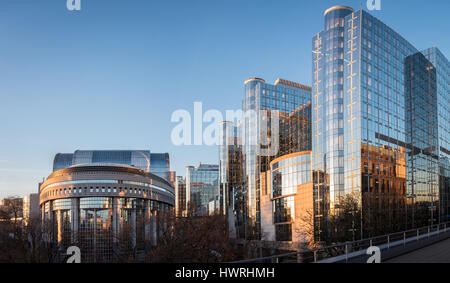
(193, 239)
(344, 225)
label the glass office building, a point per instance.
(202, 187)
(380, 118)
(328, 109)
(156, 163)
(291, 194)
(276, 120)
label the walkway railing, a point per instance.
(345, 251)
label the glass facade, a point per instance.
(232, 199)
(328, 113)
(287, 175)
(377, 124)
(277, 121)
(139, 159)
(156, 163)
(442, 68)
(62, 160)
(202, 186)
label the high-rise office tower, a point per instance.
(328, 108)
(376, 117)
(274, 115)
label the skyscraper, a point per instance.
(376, 118)
(328, 108)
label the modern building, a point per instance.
(156, 163)
(202, 186)
(180, 197)
(276, 122)
(232, 200)
(107, 210)
(287, 211)
(380, 125)
(31, 210)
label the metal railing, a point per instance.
(343, 252)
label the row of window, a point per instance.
(85, 190)
(108, 182)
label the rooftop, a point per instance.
(338, 8)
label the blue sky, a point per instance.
(110, 76)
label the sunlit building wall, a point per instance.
(180, 197)
(31, 211)
(287, 211)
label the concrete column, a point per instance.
(116, 219)
(95, 235)
(50, 225)
(148, 215)
(75, 215)
(133, 228)
(59, 225)
(116, 225)
(153, 224)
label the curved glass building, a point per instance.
(286, 208)
(107, 210)
(328, 105)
